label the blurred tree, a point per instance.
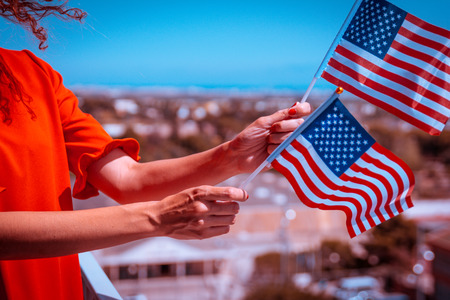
(403, 144)
(268, 267)
(393, 242)
(407, 148)
(196, 143)
(338, 255)
(435, 147)
(100, 107)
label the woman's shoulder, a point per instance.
(26, 62)
(24, 58)
(15, 53)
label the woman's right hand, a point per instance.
(199, 212)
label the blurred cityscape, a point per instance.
(278, 248)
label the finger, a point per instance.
(271, 148)
(299, 109)
(215, 231)
(296, 111)
(213, 193)
(213, 221)
(286, 125)
(222, 207)
(277, 138)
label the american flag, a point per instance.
(334, 164)
(396, 61)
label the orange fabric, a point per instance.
(35, 159)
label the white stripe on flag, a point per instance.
(419, 63)
(394, 85)
(386, 99)
(425, 33)
(422, 48)
(402, 72)
(399, 170)
(395, 190)
(381, 188)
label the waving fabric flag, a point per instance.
(334, 164)
(396, 61)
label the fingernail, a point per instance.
(245, 194)
(292, 111)
(295, 104)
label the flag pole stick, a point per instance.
(308, 91)
(253, 175)
(333, 46)
(291, 137)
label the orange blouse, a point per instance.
(36, 156)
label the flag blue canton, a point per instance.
(374, 26)
(338, 138)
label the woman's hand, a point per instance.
(259, 139)
(198, 213)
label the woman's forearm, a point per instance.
(25, 235)
(164, 177)
(126, 181)
(195, 213)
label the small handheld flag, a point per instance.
(396, 61)
(334, 164)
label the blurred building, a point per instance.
(439, 243)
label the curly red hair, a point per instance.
(28, 14)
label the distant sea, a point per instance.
(287, 90)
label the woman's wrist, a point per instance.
(227, 160)
(145, 219)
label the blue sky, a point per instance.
(267, 44)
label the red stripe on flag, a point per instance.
(377, 147)
(389, 108)
(418, 71)
(381, 179)
(286, 173)
(371, 186)
(396, 78)
(423, 41)
(387, 91)
(421, 56)
(398, 180)
(427, 26)
(333, 186)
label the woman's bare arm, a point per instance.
(127, 181)
(195, 213)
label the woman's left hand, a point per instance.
(259, 139)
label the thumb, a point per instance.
(297, 110)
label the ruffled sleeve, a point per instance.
(86, 141)
(82, 189)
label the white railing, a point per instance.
(96, 285)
